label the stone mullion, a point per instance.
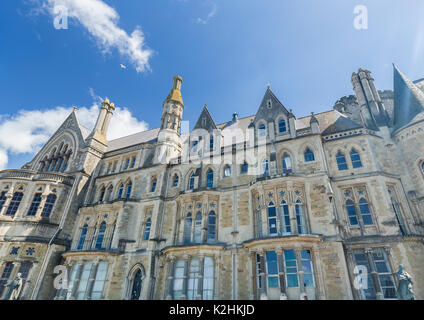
(316, 268)
(199, 295)
(91, 280)
(254, 275)
(281, 274)
(171, 277)
(77, 281)
(300, 272)
(374, 274)
(185, 278)
(263, 295)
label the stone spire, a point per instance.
(408, 99)
(102, 124)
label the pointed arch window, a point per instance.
(244, 168)
(422, 167)
(272, 220)
(3, 199)
(35, 204)
(102, 194)
(284, 218)
(286, 163)
(100, 236)
(154, 183)
(147, 228)
(351, 213)
(227, 171)
(282, 127)
(136, 285)
(48, 205)
(128, 190)
(262, 130)
(309, 155)
(355, 158)
(120, 190)
(198, 228)
(82, 237)
(341, 161)
(175, 180)
(365, 212)
(109, 193)
(211, 235)
(187, 228)
(265, 167)
(191, 182)
(300, 217)
(209, 178)
(14, 203)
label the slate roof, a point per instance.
(408, 100)
(137, 138)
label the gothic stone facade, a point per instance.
(264, 207)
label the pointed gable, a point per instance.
(270, 108)
(408, 100)
(205, 121)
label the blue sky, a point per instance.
(226, 50)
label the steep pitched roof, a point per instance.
(269, 114)
(137, 138)
(408, 102)
(205, 120)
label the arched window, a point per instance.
(309, 155)
(209, 178)
(191, 182)
(398, 214)
(262, 130)
(198, 228)
(284, 218)
(136, 285)
(365, 212)
(227, 171)
(109, 193)
(147, 227)
(286, 163)
(341, 161)
(244, 168)
(211, 236)
(187, 228)
(351, 213)
(48, 205)
(265, 167)
(120, 190)
(128, 190)
(81, 240)
(175, 180)
(300, 217)
(282, 126)
(355, 158)
(154, 183)
(272, 220)
(14, 204)
(211, 143)
(422, 167)
(102, 194)
(3, 199)
(34, 205)
(100, 236)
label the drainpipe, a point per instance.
(41, 275)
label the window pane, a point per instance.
(273, 282)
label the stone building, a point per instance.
(268, 206)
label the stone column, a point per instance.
(263, 295)
(300, 272)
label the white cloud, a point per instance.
(101, 21)
(28, 130)
(211, 14)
